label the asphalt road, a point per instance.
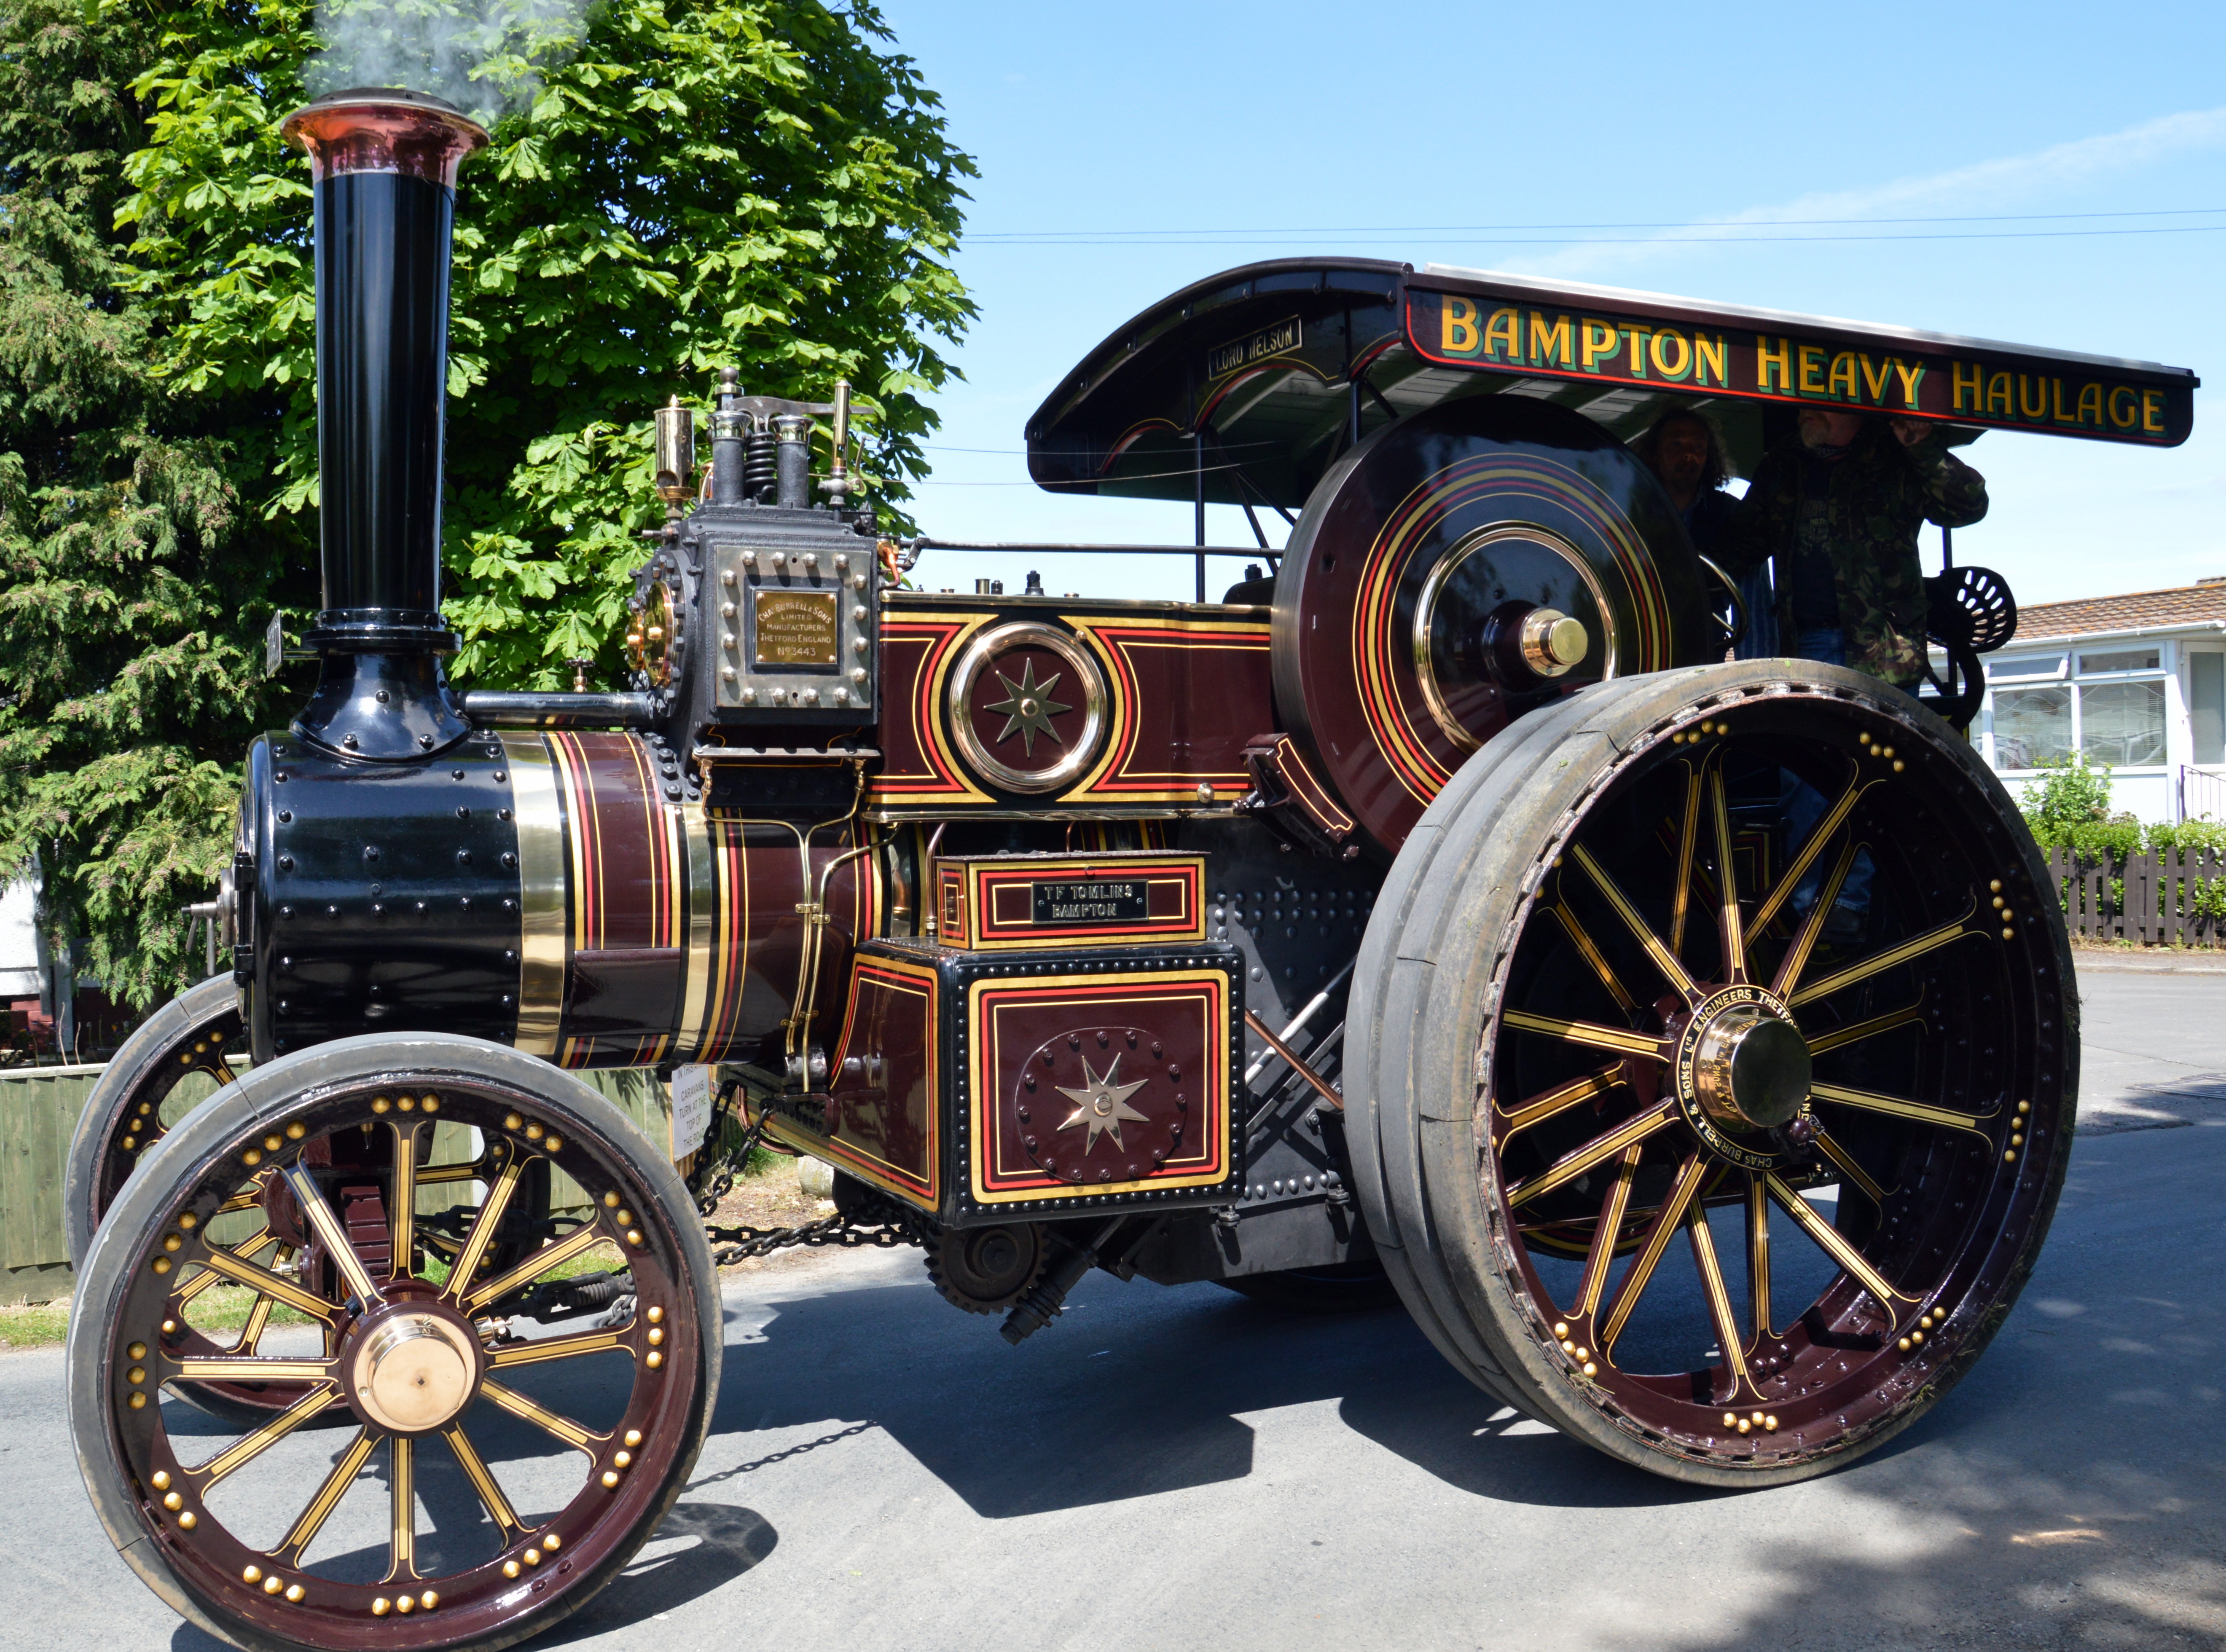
(1181, 1468)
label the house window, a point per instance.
(2122, 723)
(2124, 659)
(2031, 726)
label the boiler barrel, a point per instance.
(542, 890)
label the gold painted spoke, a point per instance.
(1812, 928)
(1658, 1234)
(1931, 940)
(562, 1427)
(247, 1201)
(483, 1229)
(305, 1529)
(319, 1210)
(483, 1482)
(586, 1237)
(441, 1175)
(1829, 1145)
(1665, 959)
(1758, 1255)
(1719, 1299)
(402, 1508)
(1536, 1108)
(1592, 1034)
(251, 1446)
(1828, 1239)
(1601, 1147)
(548, 1348)
(1589, 950)
(1610, 1223)
(240, 1252)
(1870, 1101)
(220, 1369)
(1840, 1037)
(1734, 939)
(1689, 837)
(272, 1285)
(1806, 856)
(402, 1203)
(258, 1317)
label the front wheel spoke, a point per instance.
(251, 1370)
(1728, 1339)
(1812, 928)
(579, 1438)
(1734, 939)
(1829, 1146)
(402, 1202)
(233, 1267)
(251, 1446)
(1805, 857)
(1600, 1148)
(471, 1170)
(483, 1229)
(483, 1482)
(1588, 950)
(1536, 1108)
(319, 1211)
(1592, 1034)
(1840, 1037)
(1601, 1256)
(401, 1509)
(549, 1348)
(1658, 1234)
(1689, 838)
(240, 1252)
(289, 1553)
(1665, 959)
(584, 1237)
(1758, 1256)
(1870, 1101)
(258, 1316)
(1828, 1239)
(1955, 930)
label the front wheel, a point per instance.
(545, 1438)
(1751, 969)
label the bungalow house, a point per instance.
(2137, 681)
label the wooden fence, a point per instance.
(2155, 898)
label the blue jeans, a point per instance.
(1826, 645)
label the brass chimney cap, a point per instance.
(383, 128)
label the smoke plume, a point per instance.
(481, 55)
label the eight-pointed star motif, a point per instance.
(1028, 707)
(1102, 1104)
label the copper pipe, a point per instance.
(1291, 1056)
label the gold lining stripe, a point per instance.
(483, 1228)
(1871, 1102)
(1610, 1226)
(311, 1198)
(1758, 1255)
(1828, 1238)
(1592, 955)
(263, 1279)
(1804, 940)
(533, 1353)
(586, 1238)
(1881, 962)
(1839, 1036)
(1827, 1145)
(402, 1507)
(252, 1370)
(482, 1481)
(1665, 959)
(695, 856)
(562, 1427)
(1720, 1297)
(1597, 1151)
(1728, 882)
(328, 1497)
(1689, 837)
(1809, 850)
(1587, 1033)
(240, 1455)
(1556, 1099)
(245, 1249)
(1641, 1271)
(543, 950)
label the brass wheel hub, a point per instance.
(1742, 1070)
(412, 1366)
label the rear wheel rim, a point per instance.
(1939, 1106)
(536, 1559)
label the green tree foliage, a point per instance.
(689, 184)
(134, 579)
(2069, 807)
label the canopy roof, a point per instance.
(1257, 378)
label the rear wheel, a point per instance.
(544, 1453)
(1718, 1082)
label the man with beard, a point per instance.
(1686, 458)
(1839, 514)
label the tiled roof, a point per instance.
(2177, 605)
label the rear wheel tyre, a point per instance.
(1659, 969)
(424, 1353)
(1337, 1287)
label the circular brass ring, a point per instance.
(976, 660)
(413, 1372)
(1602, 621)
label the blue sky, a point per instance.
(1245, 132)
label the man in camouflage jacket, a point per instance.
(1840, 513)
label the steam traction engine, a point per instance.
(1443, 914)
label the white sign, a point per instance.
(692, 1108)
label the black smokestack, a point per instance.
(384, 165)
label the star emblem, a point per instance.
(1102, 1104)
(1028, 707)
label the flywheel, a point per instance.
(1459, 569)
